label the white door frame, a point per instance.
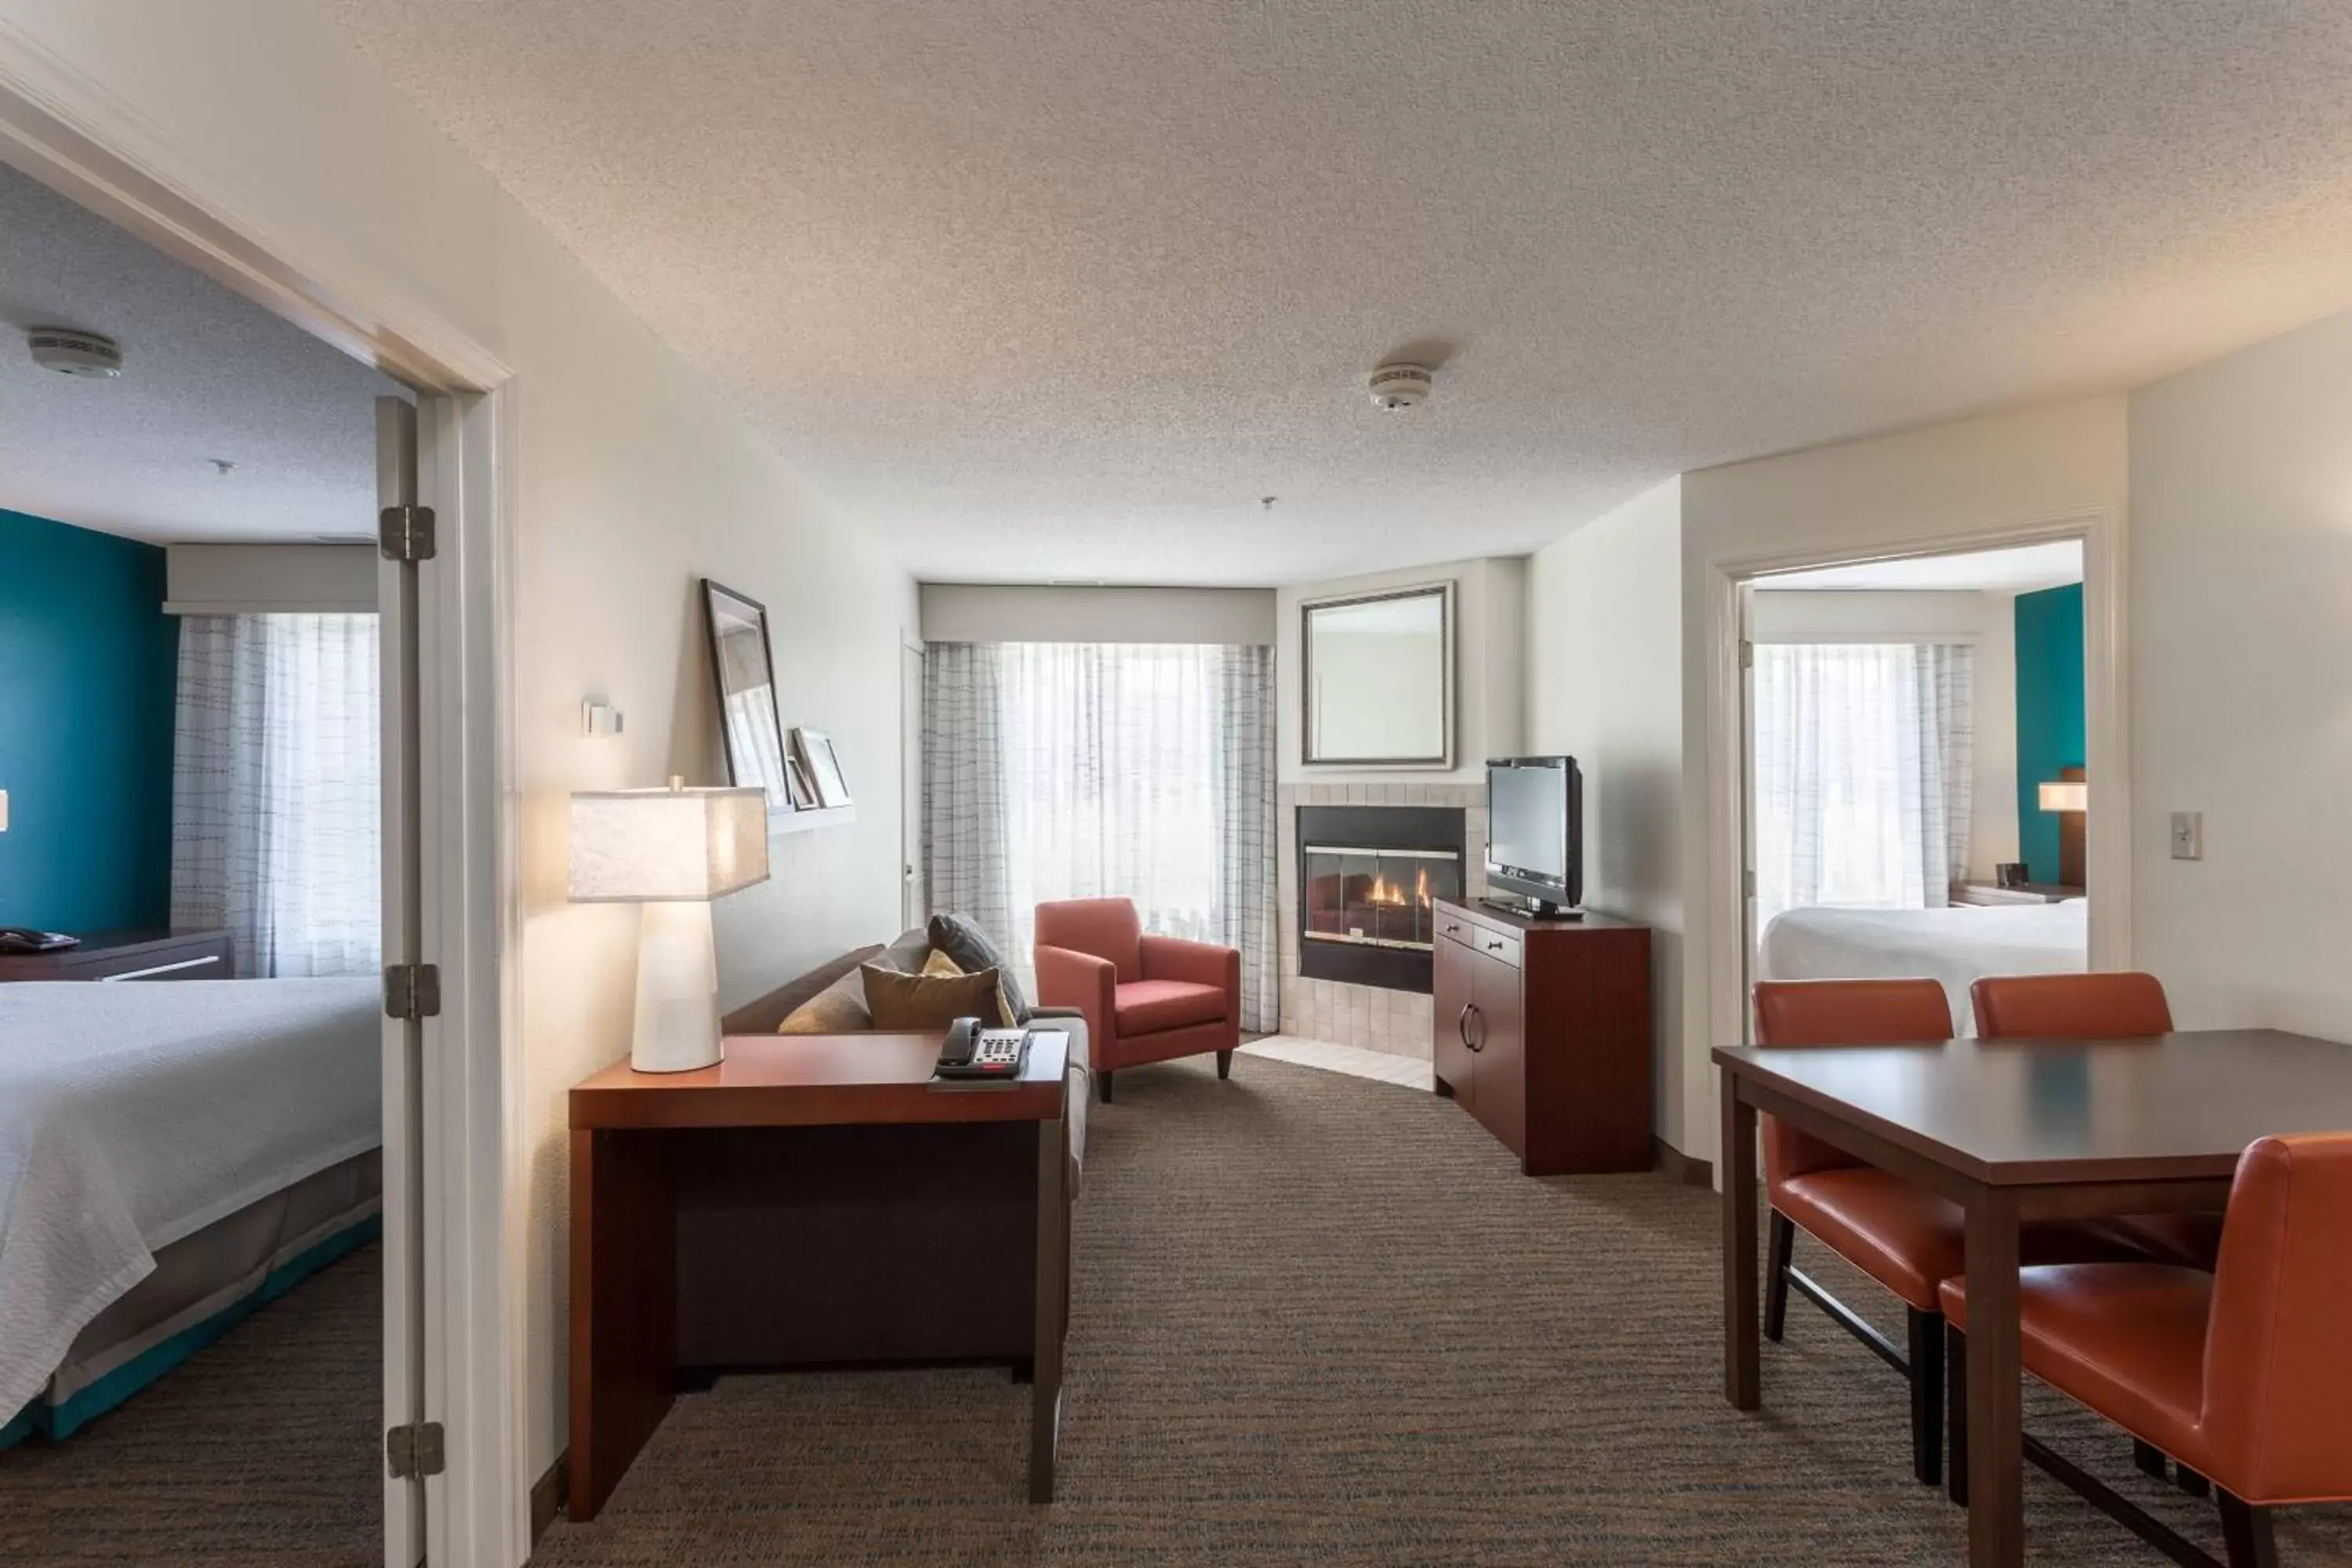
(2106, 725)
(71, 135)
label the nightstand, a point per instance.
(1986, 893)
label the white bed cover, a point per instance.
(1953, 945)
(131, 1115)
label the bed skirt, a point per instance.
(203, 1286)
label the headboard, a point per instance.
(762, 1016)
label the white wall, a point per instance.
(1939, 485)
(628, 477)
(260, 579)
(1985, 620)
(1604, 686)
(975, 611)
(2241, 681)
(1489, 657)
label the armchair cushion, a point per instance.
(1196, 963)
(1106, 928)
(1149, 1006)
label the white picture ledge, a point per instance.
(810, 821)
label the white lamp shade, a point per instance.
(2066, 795)
(648, 845)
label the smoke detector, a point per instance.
(1398, 386)
(70, 351)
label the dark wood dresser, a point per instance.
(128, 955)
(1541, 1030)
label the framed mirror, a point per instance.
(1377, 678)
(745, 673)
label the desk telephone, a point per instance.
(975, 1054)
(23, 939)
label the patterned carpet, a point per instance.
(1316, 1321)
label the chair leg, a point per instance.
(2247, 1529)
(1956, 1405)
(2193, 1483)
(2149, 1458)
(1104, 1079)
(1783, 1245)
(1225, 1064)
(1926, 1395)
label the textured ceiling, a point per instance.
(1059, 289)
(2027, 567)
(206, 374)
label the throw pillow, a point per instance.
(940, 967)
(834, 1011)
(970, 947)
(926, 1001)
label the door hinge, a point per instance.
(414, 1451)
(1746, 653)
(405, 532)
(412, 991)
(1748, 884)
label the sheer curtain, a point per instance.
(275, 825)
(1864, 782)
(1078, 770)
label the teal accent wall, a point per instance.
(88, 663)
(2049, 714)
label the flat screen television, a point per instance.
(1535, 830)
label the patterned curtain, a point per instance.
(1864, 758)
(1080, 770)
(276, 829)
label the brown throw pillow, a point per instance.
(833, 1011)
(899, 1001)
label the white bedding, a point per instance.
(131, 1115)
(1953, 945)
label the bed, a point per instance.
(1953, 945)
(171, 1157)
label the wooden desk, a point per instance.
(2014, 1131)
(811, 1200)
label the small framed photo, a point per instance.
(796, 780)
(812, 750)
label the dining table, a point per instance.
(2015, 1130)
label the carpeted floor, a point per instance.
(264, 1451)
(1318, 1320)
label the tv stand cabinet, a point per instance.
(1540, 1029)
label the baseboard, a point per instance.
(547, 1495)
(1681, 1166)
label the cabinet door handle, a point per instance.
(1480, 1043)
(1494, 947)
(1462, 1027)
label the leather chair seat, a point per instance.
(2194, 1239)
(1908, 1238)
(1149, 1006)
(2125, 1338)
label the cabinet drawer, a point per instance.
(1500, 945)
(1454, 928)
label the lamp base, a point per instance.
(677, 989)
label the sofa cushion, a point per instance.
(1148, 1006)
(899, 1001)
(969, 946)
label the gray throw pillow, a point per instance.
(972, 952)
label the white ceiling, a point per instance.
(206, 374)
(1058, 288)
(2018, 571)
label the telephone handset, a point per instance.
(977, 1054)
(23, 938)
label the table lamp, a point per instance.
(2065, 795)
(671, 850)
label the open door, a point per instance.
(411, 1443)
(916, 899)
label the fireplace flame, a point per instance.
(1421, 890)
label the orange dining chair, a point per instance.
(1904, 1237)
(2097, 1006)
(2241, 1375)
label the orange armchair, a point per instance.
(1146, 998)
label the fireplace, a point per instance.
(1368, 878)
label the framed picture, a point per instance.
(803, 793)
(814, 750)
(745, 675)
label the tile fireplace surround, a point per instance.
(1394, 1022)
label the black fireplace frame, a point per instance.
(1441, 827)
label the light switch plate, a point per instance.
(2189, 836)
